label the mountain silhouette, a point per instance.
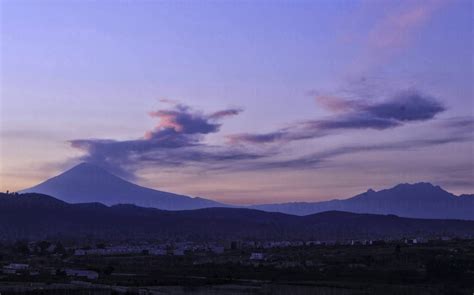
(419, 200)
(87, 183)
(35, 216)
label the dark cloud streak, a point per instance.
(408, 106)
(316, 159)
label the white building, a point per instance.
(13, 268)
(257, 256)
(217, 249)
(157, 252)
(89, 274)
(80, 252)
(17, 266)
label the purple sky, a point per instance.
(242, 102)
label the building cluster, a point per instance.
(174, 249)
(15, 268)
(181, 248)
(26, 269)
(266, 253)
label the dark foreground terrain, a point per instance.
(48, 246)
(397, 267)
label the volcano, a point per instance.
(88, 183)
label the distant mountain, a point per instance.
(89, 183)
(419, 200)
(35, 216)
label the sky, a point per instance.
(242, 102)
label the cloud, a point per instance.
(225, 113)
(396, 29)
(257, 138)
(355, 121)
(404, 107)
(184, 121)
(407, 106)
(335, 103)
(177, 138)
(201, 156)
(459, 124)
(317, 159)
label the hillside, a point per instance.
(419, 200)
(89, 183)
(33, 216)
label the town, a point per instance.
(155, 267)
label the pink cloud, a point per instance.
(391, 34)
(168, 119)
(182, 119)
(334, 103)
(396, 30)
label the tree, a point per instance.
(60, 248)
(21, 247)
(109, 269)
(43, 245)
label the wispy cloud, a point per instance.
(317, 159)
(335, 103)
(395, 30)
(393, 33)
(402, 108)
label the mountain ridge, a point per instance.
(25, 217)
(418, 200)
(87, 183)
